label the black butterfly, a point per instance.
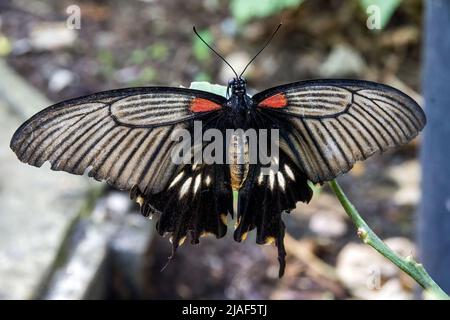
(122, 136)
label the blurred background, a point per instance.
(66, 237)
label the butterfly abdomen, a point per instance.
(238, 154)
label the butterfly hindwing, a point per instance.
(328, 125)
(196, 203)
(264, 196)
(197, 199)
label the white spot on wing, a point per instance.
(260, 178)
(289, 172)
(271, 179)
(281, 180)
(198, 179)
(276, 161)
(208, 180)
(177, 178)
(185, 187)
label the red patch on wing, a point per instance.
(276, 101)
(203, 105)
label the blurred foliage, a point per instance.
(158, 51)
(106, 58)
(138, 57)
(243, 11)
(387, 8)
(203, 76)
(202, 52)
(147, 75)
(106, 62)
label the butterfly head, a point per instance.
(238, 86)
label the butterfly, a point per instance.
(123, 137)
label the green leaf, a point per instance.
(245, 10)
(206, 86)
(386, 9)
(202, 52)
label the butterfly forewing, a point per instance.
(122, 136)
(328, 125)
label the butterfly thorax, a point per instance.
(239, 108)
(239, 103)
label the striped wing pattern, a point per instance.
(121, 136)
(165, 108)
(326, 126)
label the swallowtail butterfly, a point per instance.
(122, 137)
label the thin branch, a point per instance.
(408, 264)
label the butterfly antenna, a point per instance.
(195, 31)
(265, 45)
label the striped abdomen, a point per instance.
(239, 160)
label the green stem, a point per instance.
(408, 264)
